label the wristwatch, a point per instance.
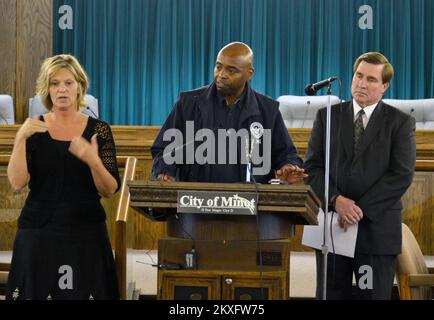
(333, 201)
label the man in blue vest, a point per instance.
(227, 105)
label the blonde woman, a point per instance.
(68, 160)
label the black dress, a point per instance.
(62, 249)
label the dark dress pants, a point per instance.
(374, 276)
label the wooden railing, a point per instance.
(121, 225)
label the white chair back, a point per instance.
(300, 111)
(37, 108)
(91, 108)
(6, 109)
(421, 109)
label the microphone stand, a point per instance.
(249, 150)
(324, 247)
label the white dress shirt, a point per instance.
(368, 112)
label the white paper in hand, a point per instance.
(344, 242)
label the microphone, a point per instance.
(305, 114)
(169, 266)
(256, 132)
(413, 116)
(312, 88)
(93, 113)
(249, 151)
(161, 155)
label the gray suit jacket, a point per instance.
(375, 176)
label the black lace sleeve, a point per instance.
(107, 150)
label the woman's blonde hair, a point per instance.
(50, 67)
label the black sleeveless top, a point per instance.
(61, 186)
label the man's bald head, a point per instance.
(233, 68)
(238, 49)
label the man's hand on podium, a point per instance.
(165, 177)
(291, 173)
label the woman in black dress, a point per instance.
(62, 249)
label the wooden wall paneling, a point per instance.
(418, 203)
(144, 234)
(34, 44)
(8, 47)
(10, 208)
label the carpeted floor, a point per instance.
(142, 276)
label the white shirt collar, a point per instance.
(368, 111)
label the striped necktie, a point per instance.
(358, 128)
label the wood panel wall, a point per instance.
(8, 49)
(144, 234)
(26, 40)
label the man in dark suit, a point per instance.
(372, 164)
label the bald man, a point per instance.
(228, 105)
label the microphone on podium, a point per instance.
(312, 88)
(305, 113)
(413, 116)
(91, 111)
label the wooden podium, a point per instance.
(238, 256)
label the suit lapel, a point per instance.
(347, 129)
(376, 122)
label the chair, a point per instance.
(37, 108)
(421, 109)
(6, 109)
(91, 108)
(414, 280)
(300, 111)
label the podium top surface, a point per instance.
(297, 202)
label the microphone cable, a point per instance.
(336, 177)
(190, 264)
(153, 263)
(258, 239)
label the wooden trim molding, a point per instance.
(121, 226)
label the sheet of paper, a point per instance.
(344, 242)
